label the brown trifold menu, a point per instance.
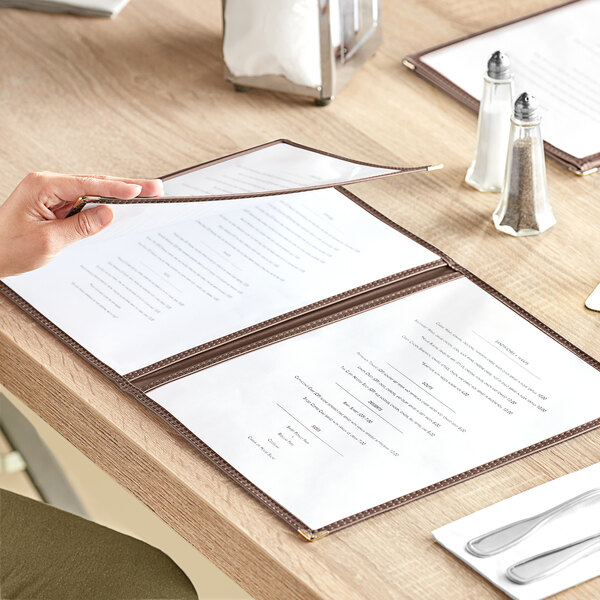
(554, 56)
(326, 359)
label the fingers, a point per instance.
(150, 187)
(53, 190)
(68, 187)
(33, 215)
(79, 226)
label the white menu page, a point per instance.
(349, 416)
(276, 167)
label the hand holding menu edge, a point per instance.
(33, 228)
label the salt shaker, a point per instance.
(524, 208)
(486, 172)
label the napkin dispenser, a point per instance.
(307, 47)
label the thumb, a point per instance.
(82, 225)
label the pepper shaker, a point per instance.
(524, 208)
(486, 172)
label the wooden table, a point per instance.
(144, 95)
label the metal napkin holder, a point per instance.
(349, 32)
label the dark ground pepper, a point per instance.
(520, 201)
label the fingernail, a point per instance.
(138, 188)
(161, 187)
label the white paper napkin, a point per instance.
(572, 525)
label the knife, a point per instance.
(554, 560)
(507, 536)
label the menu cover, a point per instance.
(329, 361)
(552, 53)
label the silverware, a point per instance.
(507, 536)
(550, 562)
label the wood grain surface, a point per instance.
(143, 95)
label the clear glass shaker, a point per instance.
(486, 172)
(524, 208)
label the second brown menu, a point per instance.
(554, 55)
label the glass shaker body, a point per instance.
(486, 172)
(524, 208)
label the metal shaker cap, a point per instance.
(527, 108)
(498, 66)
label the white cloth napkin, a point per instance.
(574, 524)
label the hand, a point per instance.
(33, 228)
